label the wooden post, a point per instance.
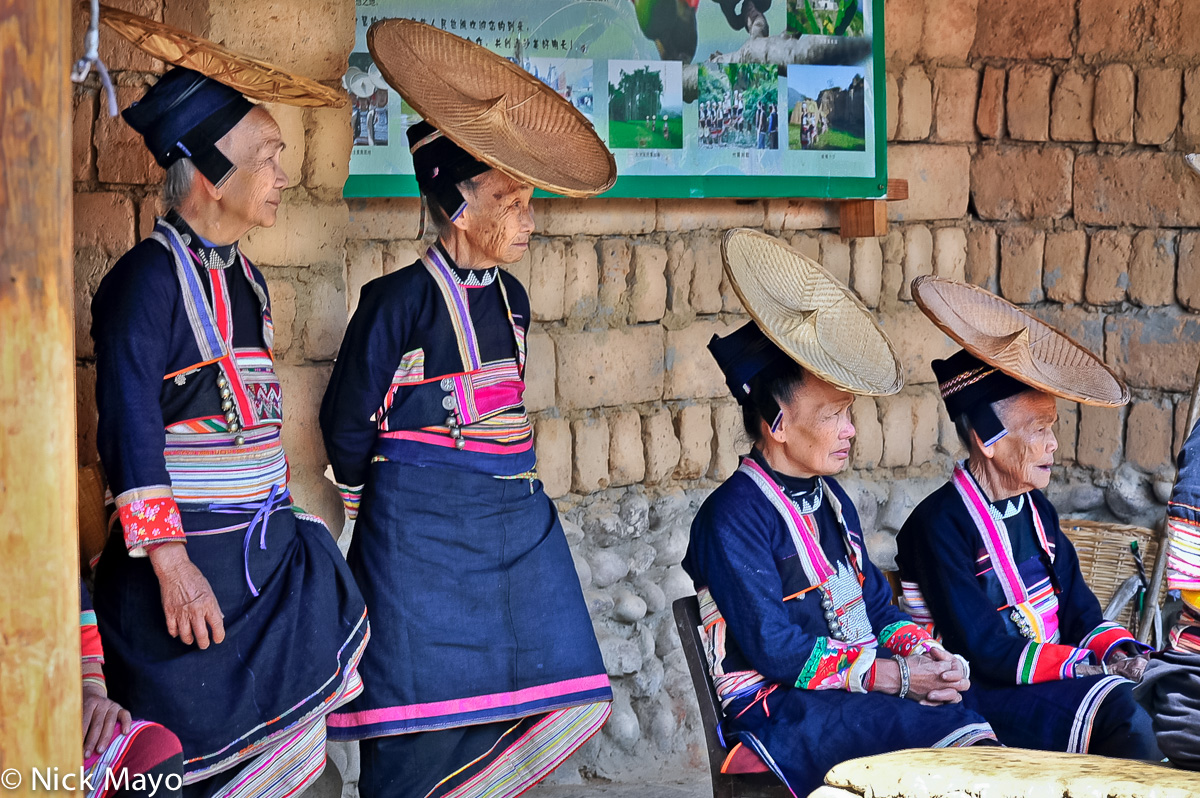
(39, 560)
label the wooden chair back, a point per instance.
(725, 785)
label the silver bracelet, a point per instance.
(904, 677)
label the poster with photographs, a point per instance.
(695, 98)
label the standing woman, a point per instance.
(227, 614)
(483, 672)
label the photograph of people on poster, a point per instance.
(825, 17)
(570, 77)
(645, 105)
(827, 108)
(738, 106)
(368, 101)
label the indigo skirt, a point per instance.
(288, 655)
(476, 610)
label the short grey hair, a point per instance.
(180, 177)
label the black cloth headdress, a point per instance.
(744, 355)
(184, 115)
(441, 165)
(970, 386)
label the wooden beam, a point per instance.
(863, 218)
(39, 597)
(868, 218)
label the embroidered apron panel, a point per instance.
(257, 371)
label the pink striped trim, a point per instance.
(456, 303)
(813, 557)
(268, 761)
(470, 446)
(997, 544)
(461, 706)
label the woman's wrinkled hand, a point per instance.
(103, 719)
(188, 602)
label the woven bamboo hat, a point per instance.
(811, 316)
(492, 108)
(256, 79)
(1020, 345)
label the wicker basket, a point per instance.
(1106, 561)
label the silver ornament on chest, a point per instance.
(843, 605)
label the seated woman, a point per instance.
(121, 756)
(983, 557)
(1170, 689)
(811, 663)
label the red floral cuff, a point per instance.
(149, 515)
(828, 665)
(905, 637)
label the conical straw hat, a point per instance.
(256, 79)
(810, 315)
(1022, 346)
(492, 108)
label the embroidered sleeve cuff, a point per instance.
(860, 672)
(828, 666)
(1049, 662)
(1107, 636)
(89, 637)
(148, 516)
(351, 497)
(905, 638)
(90, 649)
(1183, 556)
(93, 674)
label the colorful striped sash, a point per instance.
(503, 433)
(803, 527)
(912, 602)
(212, 327)
(995, 536)
(208, 468)
(1183, 554)
(480, 389)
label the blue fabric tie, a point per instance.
(262, 514)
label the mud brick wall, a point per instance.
(1042, 144)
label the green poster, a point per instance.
(695, 98)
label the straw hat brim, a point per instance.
(256, 79)
(810, 315)
(492, 108)
(1019, 344)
